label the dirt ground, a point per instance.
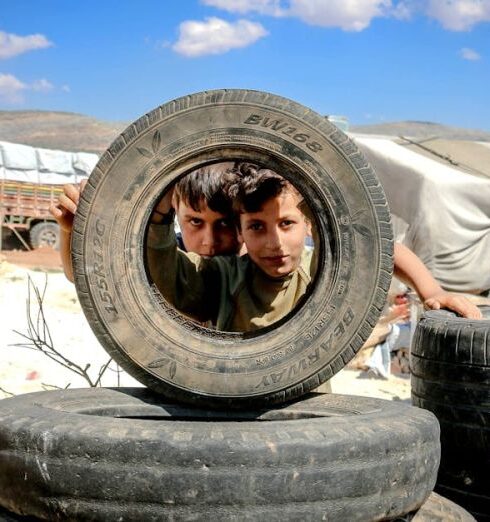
(41, 259)
(26, 370)
(14, 252)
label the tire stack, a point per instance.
(228, 427)
(451, 378)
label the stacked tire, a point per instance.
(102, 454)
(451, 377)
(228, 427)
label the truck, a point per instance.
(31, 180)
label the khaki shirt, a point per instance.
(230, 291)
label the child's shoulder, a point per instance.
(305, 267)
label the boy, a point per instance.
(251, 291)
(203, 209)
(204, 213)
(256, 290)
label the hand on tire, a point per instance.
(456, 303)
(65, 210)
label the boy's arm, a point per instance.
(186, 280)
(64, 212)
(410, 269)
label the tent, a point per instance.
(34, 165)
(439, 194)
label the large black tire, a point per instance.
(178, 357)
(106, 454)
(45, 234)
(450, 364)
(434, 509)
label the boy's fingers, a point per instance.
(460, 305)
(468, 309)
(55, 211)
(457, 304)
(432, 304)
(82, 185)
(72, 192)
(474, 314)
(66, 202)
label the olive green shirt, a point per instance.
(230, 291)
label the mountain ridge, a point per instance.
(75, 132)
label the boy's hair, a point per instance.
(249, 186)
(205, 185)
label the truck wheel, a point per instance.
(450, 364)
(45, 234)
(123, 454)
(178, 357)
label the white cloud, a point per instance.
(12, 44)
(356, 15)
(42, 85)
(11, 89)
(459, 15)
(65, 88)
(350, 15)
(404, 10)
(270, 7)
(216, 36)
(469, 54)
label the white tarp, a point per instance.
(447, 212)
(55, 161)
(36, 165)
(18, 157)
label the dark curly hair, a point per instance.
(205, 185)
(249, 186)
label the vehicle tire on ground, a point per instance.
(45, 234)
(122, 454)
(450, 363)
(166, 350)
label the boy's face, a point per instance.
(206, 232)
(275, 235)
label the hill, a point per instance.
(422, 129)
(75, 132)
(58, 130)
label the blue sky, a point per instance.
(370, 60)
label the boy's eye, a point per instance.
(196, 222)
(287, 223)
(255, 226)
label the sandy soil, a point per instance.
(26, 370)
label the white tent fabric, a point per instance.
(36, 165)
(55, 161)
(18, 157)
(447, 212)
(85, 162)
